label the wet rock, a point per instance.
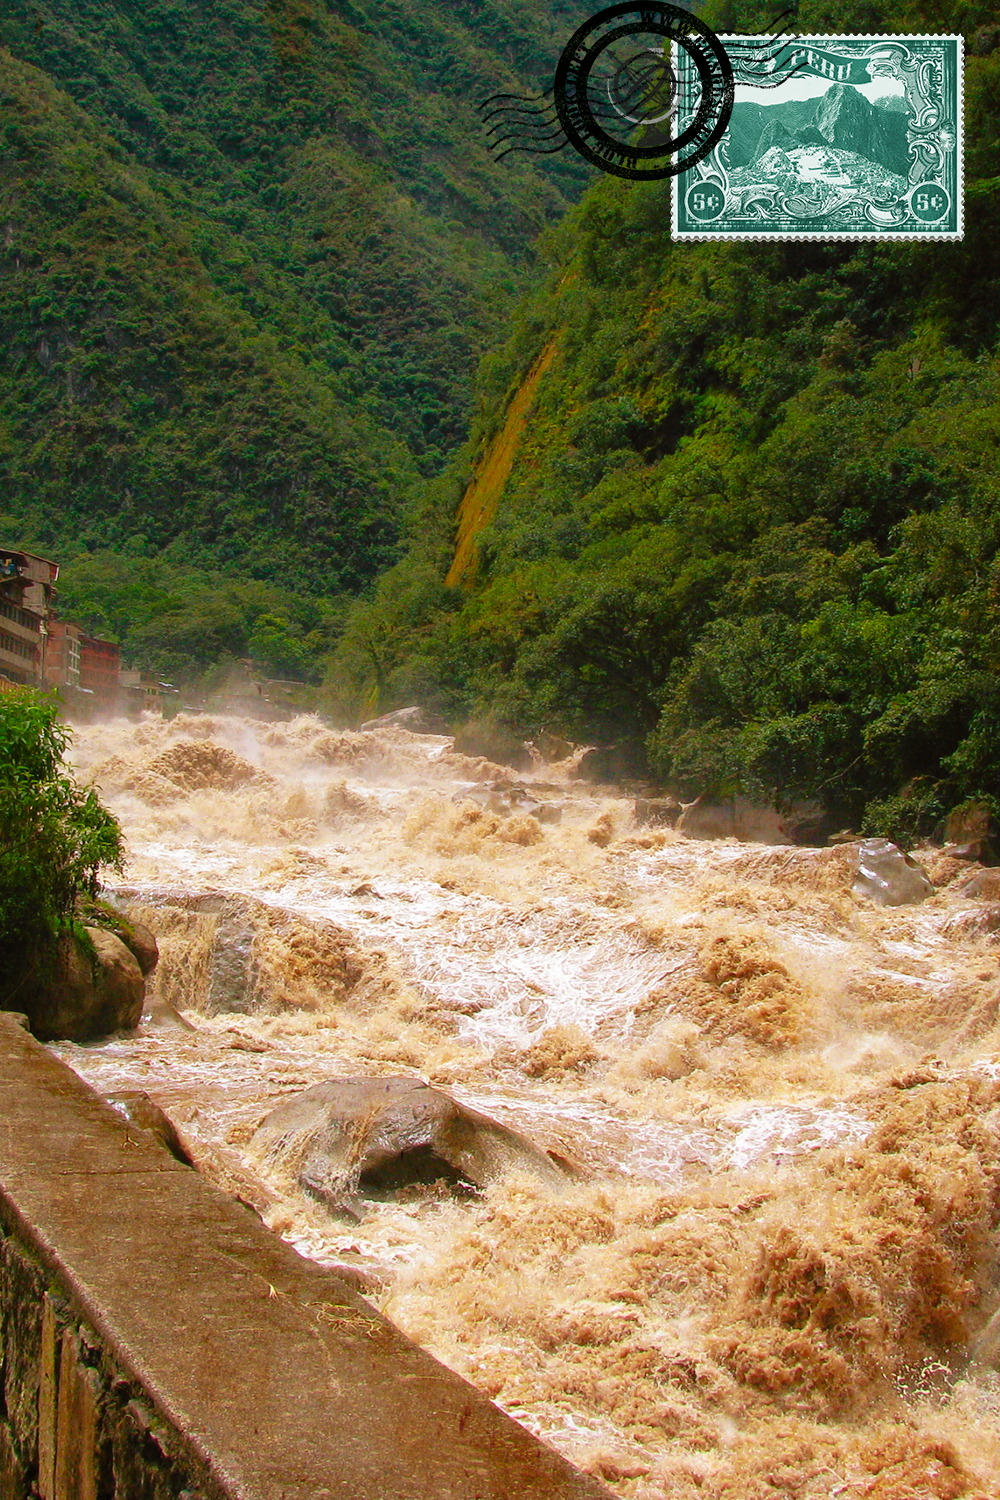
(612, 763)
(486, 740)
(548, 748)
(354, 1138)
(509, 798)
(142, 945)
(983, 922)
(234, 954)
(807, 825)
(732, 818)
(83, 990)
(657, 812)
(972, 832)
(416, 719)
(888, 876)
(161, 1015)
(141, 1112)
(982, 884)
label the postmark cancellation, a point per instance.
(864, 141)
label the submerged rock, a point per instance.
(354, 1138)
(657, 812)
(142, 945)
(888, 876)
(983, 884)
(511, 799)
(226, 953)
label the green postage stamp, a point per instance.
(863, 141)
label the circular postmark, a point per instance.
(619, 98)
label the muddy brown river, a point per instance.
(774, 1270)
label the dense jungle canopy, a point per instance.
(742, 520)
(750, 530)
(250, 254)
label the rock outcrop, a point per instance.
(657, 812)
(354, 1138)
(889, 877)
(85, 988)
(972, 832)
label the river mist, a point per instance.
(773, 1267)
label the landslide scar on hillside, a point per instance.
(480, 501)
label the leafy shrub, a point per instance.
(54, 835)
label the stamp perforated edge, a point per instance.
(691, 236)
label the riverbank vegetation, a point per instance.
(55, 837)
(751, 530)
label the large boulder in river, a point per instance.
(83, 989)
(889, 877)
(416, 719)
(222, 952)
(354, 1138)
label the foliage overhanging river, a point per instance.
(778, 1257)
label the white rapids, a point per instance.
(780, 1102)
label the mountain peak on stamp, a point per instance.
(847, 120)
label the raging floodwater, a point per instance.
(778, 1261)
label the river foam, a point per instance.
(779, 1103)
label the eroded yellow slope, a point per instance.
(480, 501)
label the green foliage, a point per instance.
(249, 258)
(754, 523)
(54, 836)
(178, 621)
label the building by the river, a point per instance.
(39, 649)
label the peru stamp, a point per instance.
(862, 141)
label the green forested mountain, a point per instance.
(250, 252)
(750, 532)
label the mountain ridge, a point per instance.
(841, 117)
(250, 255)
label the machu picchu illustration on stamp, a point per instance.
(865, 141)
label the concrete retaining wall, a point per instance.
(158, 1343)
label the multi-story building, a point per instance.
(27, 590)
(39, 650)
(62, 655)
(100, 664)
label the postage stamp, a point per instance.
(863, 140)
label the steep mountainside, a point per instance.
(250, 254)
(750, 530)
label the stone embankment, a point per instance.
(157, 1341)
